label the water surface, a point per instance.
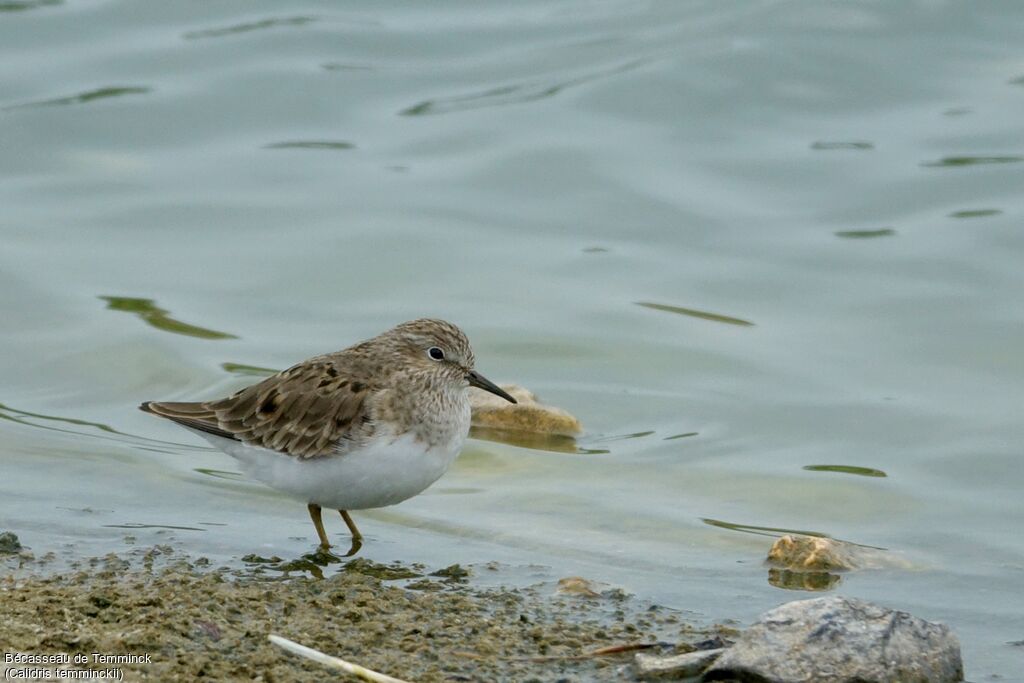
(767, 252)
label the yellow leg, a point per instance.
(314, 514)
(357, 538)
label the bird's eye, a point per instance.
(435, 353)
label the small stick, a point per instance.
(616, 649)
(327, 660)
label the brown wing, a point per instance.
(312, 409)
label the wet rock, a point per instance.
(9, 543)
(455, 573)
(384, 572)
(813, 563)
(811, 553)
(653, 667)
(577, 585)
(253, 558)
(528, 415)
(843, 640)
(717, 641)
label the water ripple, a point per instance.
(311, 144)
(86, 97)
(512, 94)
(865, 234)
(954, 162)
(43, 421)
(762, 530)
(681, 436)
(247, 27)
(152, 315)
(22, 5)
(340, 66)
(975, 213)
(694, 313)
(247, 370)
(220, 474)
(846, 469)
(823, 144)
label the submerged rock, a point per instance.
(578, 586)
(9, 543)
(808, 562)
(813, 554)
(842, 640)
(528, 415)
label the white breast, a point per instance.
(383, 472)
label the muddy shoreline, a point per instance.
(183, 619)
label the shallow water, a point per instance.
(741, 241)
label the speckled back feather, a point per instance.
(324, 405)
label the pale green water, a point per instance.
(839, 185)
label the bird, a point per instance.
(365, 427)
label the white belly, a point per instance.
(383, 473)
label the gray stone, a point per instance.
(687, 665)
(841, 640)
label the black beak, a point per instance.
(475, 379)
